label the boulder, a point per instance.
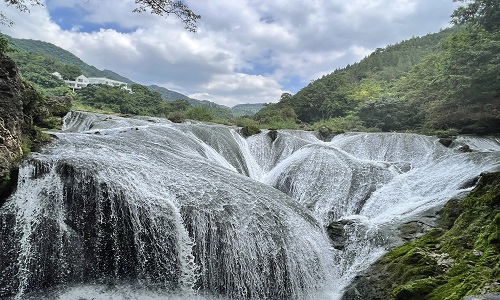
(272, 134)
(446, 142)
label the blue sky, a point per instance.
(73, 18)
(245, 51)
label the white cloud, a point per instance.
(245, 50)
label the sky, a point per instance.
(245, 51)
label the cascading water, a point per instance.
(141, 208)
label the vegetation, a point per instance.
(201, 113)
(141, 101)
(250, 130)
(353, 92)
(28, 53)
(442, 81)
(242, 110)
(485, 13)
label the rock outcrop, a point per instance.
(13, 120)
(461, 258)
(21, 108)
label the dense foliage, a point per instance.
(346, 90)
(443, 81)
(142, 101)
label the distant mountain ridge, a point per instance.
(251, 109)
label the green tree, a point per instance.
(69, 72)
(180, 105)
(485, 13)
(200, 113)
(43, 79)
(387, 115)
(285, 97)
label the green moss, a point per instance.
(451, 133)
(417, 289)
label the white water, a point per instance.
(140, 208)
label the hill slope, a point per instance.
(442, 81)
(65, 57)
(52, 52)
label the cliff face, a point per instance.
(460, 258)
(22, 112)
(13, 121)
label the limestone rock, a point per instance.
(17, 105)
(11, 115)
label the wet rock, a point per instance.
(465, 148)
(325, 133)
(336, 233)
(273, 135)
(493, 296)
(412, 230)
(12, 121)
(446, 142)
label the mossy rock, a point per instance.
(463, 258)
(273, 135)
(250, 130)
(324, 132)
(416, 290)
(449, 213)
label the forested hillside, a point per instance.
(442, 81)
(50, 51)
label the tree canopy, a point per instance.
(485, 13)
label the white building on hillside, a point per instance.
(82, 81)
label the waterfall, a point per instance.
(148, 204)
(142, 208)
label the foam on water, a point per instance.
(142, 208)
(151, 206)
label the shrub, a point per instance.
(200, 113)
(250, 130)
(177, 116)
